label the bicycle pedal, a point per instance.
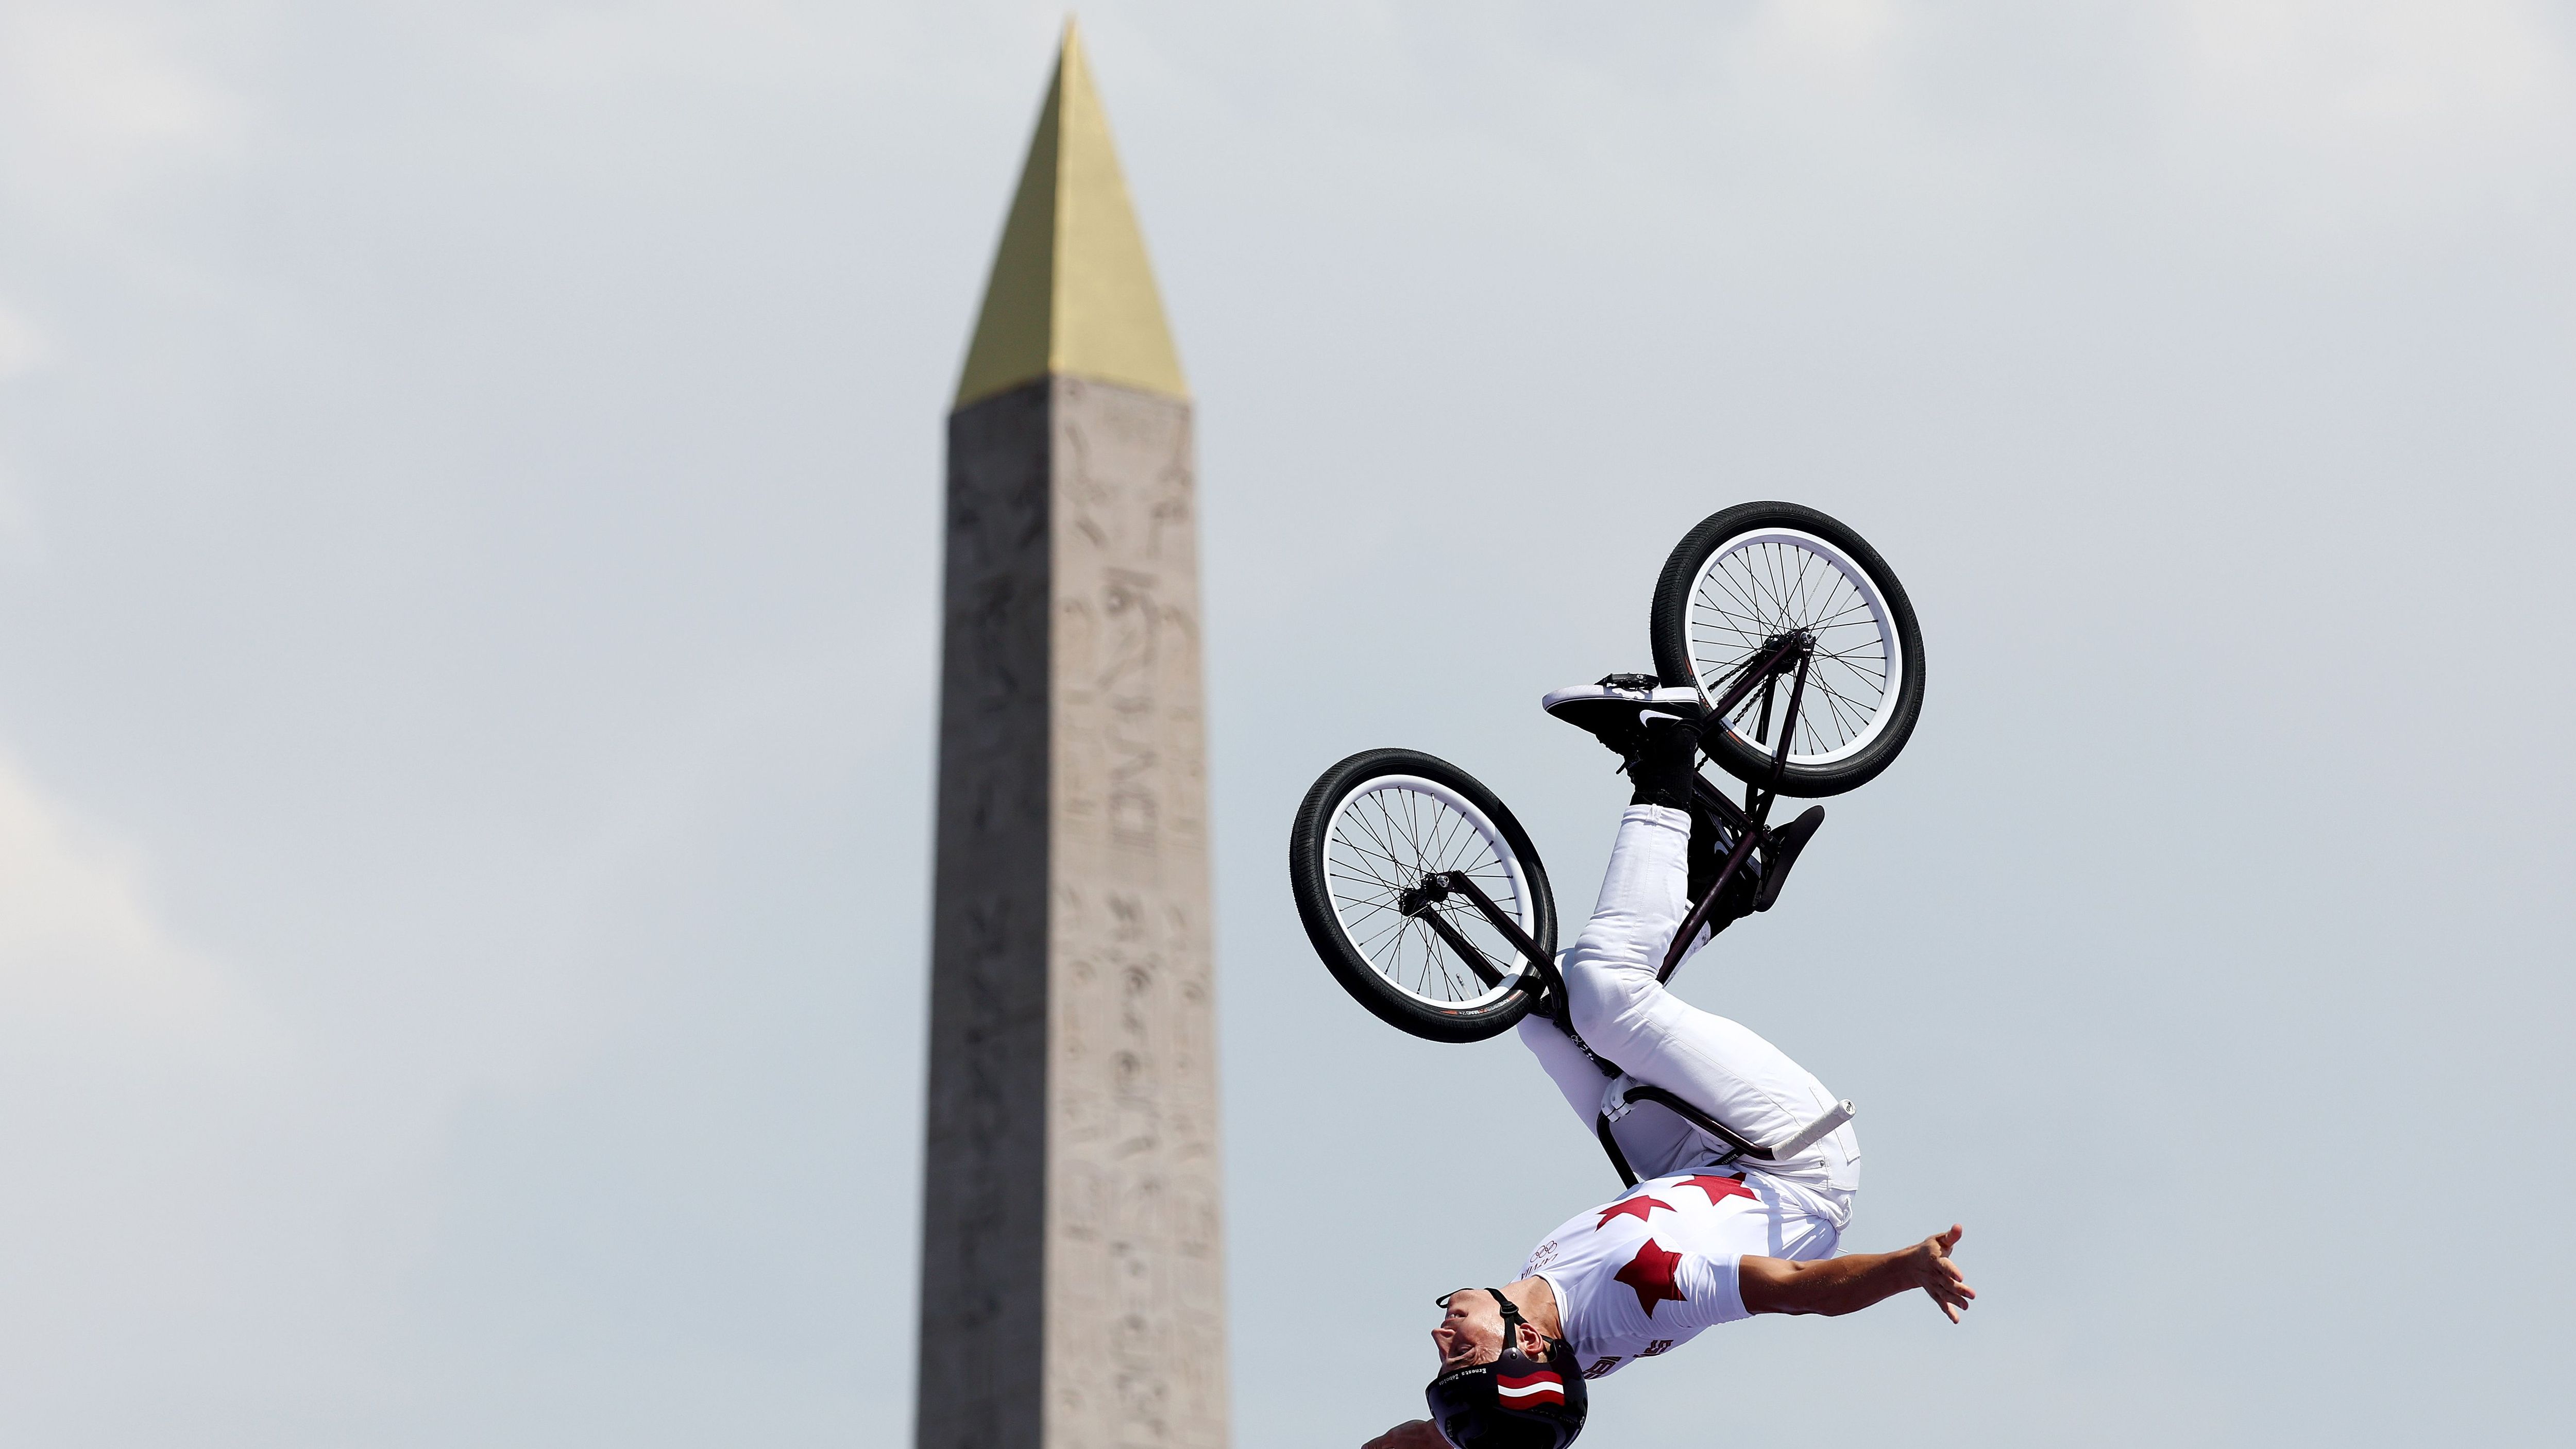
(1782, 853)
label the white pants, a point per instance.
(1719, 1066)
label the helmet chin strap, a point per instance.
(1512, 1325)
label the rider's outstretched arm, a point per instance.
(1849, 1284)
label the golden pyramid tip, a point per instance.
(1071, 290)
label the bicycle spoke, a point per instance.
(1750, 594)
(1385, 843)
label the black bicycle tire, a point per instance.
(1670, 627)
(1307, 880)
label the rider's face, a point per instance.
(1470, 1331)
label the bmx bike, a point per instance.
(1427, 901)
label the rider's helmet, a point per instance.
(1514, 1402)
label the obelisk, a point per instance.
(1072, 1290)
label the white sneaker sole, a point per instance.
(1683, 700)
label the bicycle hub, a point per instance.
(1433, 890)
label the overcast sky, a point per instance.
(469, 498)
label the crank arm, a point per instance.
(1699, 913)
(1715, 802)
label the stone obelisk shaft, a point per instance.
(1072, 1286)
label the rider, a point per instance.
(1698, 1241)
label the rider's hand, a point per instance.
(1411, 1434)
(1938, 1275)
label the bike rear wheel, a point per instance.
(1747, 576)
(1372, 831)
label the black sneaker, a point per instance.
(1615, 710)
(1782, 853)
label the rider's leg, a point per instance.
(1567, 1066)
(1626, 1015)
(1610, 711)
(1654, 1143)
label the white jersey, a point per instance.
(1638, 1276)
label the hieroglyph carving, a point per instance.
(1135, 1312)
(1072, 1270)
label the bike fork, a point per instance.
(1752, 823)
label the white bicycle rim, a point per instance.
(1382, 942)
(1761, 583)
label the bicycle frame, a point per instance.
(1752, 823)
(1786, 654)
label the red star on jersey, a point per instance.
(1716, 1188)
(1635, 1207)
(1651, 1274)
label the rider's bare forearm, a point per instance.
(1835, 1286)
(1831, 1286)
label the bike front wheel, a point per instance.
(1375, 845)
(1742, 580)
